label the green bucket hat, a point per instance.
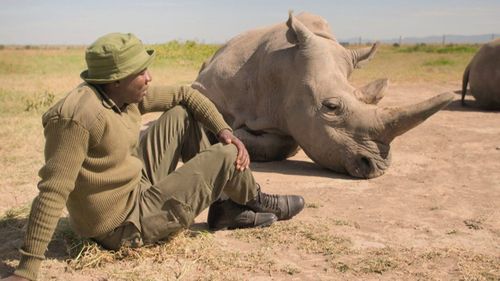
(115, 56)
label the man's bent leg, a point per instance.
(175, 135)
(174, 202)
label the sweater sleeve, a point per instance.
(65, 150)
(161, 98)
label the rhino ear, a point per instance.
(361, 56)
(372, 92)
(317, 25)
(297, 33)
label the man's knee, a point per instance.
(177, 117)
(177, 112)
(228, 152)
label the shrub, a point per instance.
(189, 52)
(39, 101)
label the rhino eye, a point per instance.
(330, 105)
(331, 109)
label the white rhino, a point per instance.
(286, 86)
(483, 75)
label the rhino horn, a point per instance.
(297, 33)
(398, 120)
(363, 55)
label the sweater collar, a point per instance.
(106, 101)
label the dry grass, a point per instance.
(199, 255)
(341, 257)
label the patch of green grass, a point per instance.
(413, 66)
(35, 61)
(439, 62)
(11, 101)
(440, 49)
(9, 67)
(39, 101)
(14, 218)
(15, 102)
(189, 53)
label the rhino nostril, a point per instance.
(366, 164)
(367, 167)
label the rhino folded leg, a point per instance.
(266, 146)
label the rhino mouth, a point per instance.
(362, 163)
(364, 166)
(371, 159)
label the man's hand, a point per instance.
(243, 159)
(14, 278)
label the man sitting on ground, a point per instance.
(122, 190)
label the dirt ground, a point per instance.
(434, 215)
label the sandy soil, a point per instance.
(442, 191)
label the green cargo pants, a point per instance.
(169, 199)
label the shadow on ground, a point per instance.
(298, 168)
(470, 104)
(12, 229)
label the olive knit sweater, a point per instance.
(91, 162)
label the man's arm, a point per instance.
(65, 149)
(162, 98)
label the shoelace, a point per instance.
(270, 201)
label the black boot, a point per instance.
(226, 214)
(283, 206)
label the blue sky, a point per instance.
(216, 21)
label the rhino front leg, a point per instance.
(266, 146)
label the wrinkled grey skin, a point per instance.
(287, 85)
(483, 75)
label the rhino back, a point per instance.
(484, 76)
(241, 78)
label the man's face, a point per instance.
(135, 87)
